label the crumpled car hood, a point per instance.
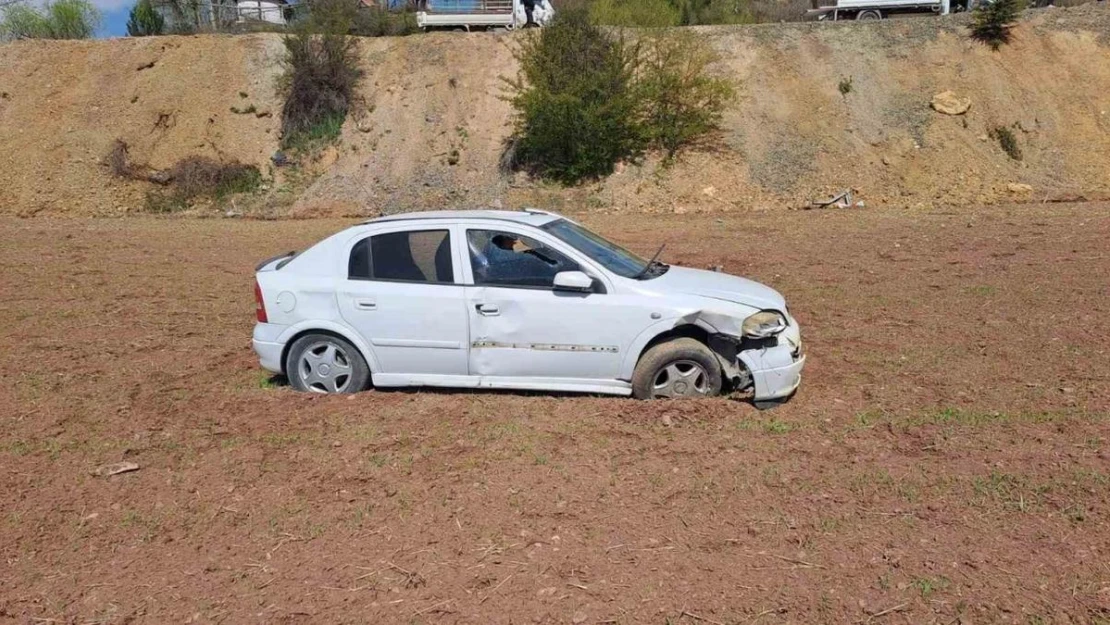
(718, 286)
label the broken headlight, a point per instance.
(764, 324)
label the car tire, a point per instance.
(871, 15)
(680, 368)
(327, 364)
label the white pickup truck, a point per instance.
(467, 14)
(882, 9)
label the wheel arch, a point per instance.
(660, 333)
(291, 335)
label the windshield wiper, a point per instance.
(651, 263)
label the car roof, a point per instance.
(528, 216)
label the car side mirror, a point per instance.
(573, 281)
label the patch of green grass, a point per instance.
(982, 290)
(164, 203)
(956, 416)
(776, 426)
(266, 381)
(148, 526)
(829, 524)
(231, 443)
(929, 585)
(18, 447)
(322, 133)
(867, 418)
(248, 181)
(280, 439)
(1011, 491)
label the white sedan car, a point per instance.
(516, 300)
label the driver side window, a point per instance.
(507, 259)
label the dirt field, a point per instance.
(947, 459)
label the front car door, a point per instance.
(404, 295)
(523, 332)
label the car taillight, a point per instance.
(259, 305)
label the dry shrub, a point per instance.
(197, 176)
(118, 161)
(1007, 140)
(189, 178)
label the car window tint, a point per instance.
(506, 259)
(358, 267)
(416, 256)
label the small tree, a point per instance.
(577, 107)
(63, 19)
(681, 101)
(144, 21)
(73, 19)
(993, 21)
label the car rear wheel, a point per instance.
(677, 369)
(869, 15)
(322, 363)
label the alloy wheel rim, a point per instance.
(325, 367)
(681, 378)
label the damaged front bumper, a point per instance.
(771, 367)
(775, 371)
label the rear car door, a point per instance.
(403, 294)
(521, 327)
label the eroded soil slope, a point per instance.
(429, 129)
(946, 461)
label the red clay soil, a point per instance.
(946, 461)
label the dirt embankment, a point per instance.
(430, 129)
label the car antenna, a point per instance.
(650, 262)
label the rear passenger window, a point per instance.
(415, 256)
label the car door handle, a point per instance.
(489, 310)
(366, 304)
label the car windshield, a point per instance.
(610, 255)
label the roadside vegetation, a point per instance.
(587, 98)
(663, 13)
(191, 179)
(993, 21)
(322, 72)
(61, 19)
(200, 177)
(144, 21)
(1007, 140)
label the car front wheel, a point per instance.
(322, 363)
(678, 368)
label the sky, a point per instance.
(114, 15)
